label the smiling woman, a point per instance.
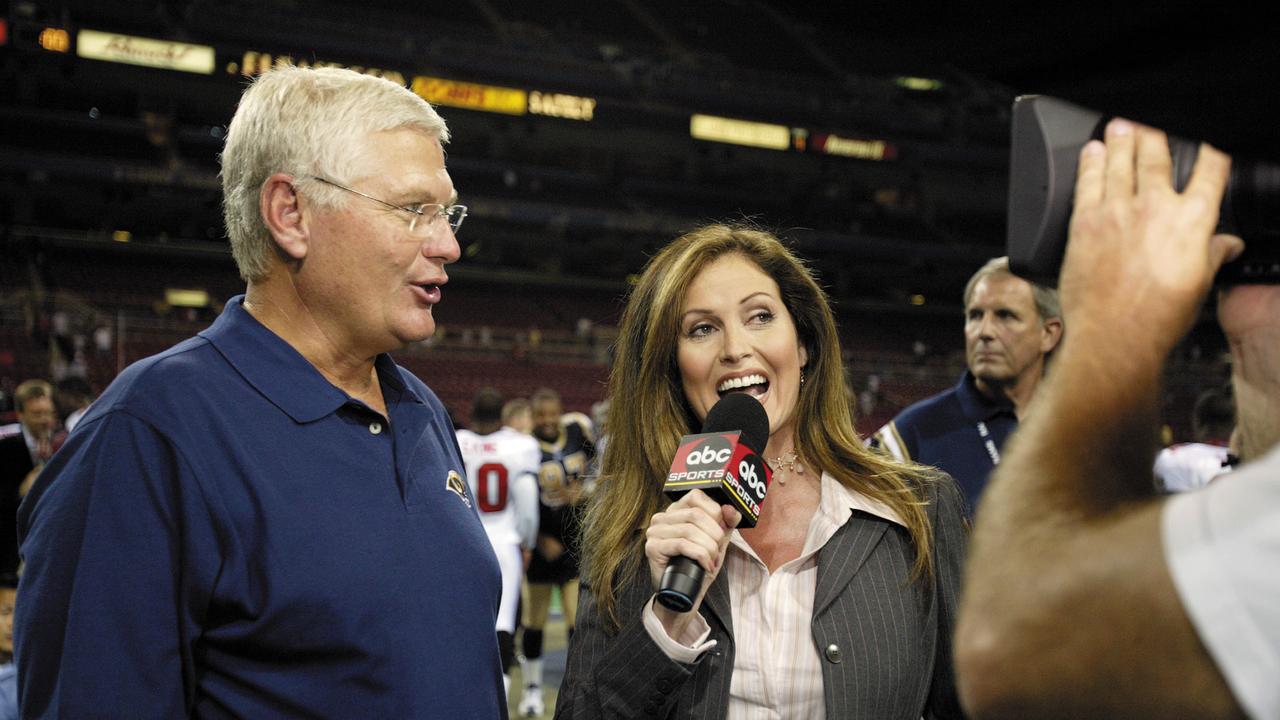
(792, 611)
(736, 335)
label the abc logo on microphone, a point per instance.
(720, 465)
(705, 456)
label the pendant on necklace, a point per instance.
(784, 464)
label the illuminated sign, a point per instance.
(166, 54)
(55, 40)
(561, 105)
(182, 297)
(740, 132)
(256, 63)
(855, 148)
(489, 98)
(919, 83)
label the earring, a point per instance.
(801, 376)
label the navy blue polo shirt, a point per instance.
(227, 534)
(959, 430)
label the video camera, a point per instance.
(1047, 137)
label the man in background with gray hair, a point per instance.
(271, 519)
(1010, 328)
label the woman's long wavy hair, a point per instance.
(648, 412)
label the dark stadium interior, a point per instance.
(109, 192)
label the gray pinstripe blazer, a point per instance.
(885, 642)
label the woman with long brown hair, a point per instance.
(840, 602)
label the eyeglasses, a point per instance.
(426, 212)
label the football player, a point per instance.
(567, 446)
(502, 468)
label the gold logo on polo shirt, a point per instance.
(455, 484)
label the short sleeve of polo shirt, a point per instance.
(111, 601)
(1222, 544)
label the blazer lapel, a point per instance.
(843, 555)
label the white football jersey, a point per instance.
(1190, 466)
(502, 470)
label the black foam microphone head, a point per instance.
(739, 411)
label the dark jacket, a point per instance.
(15, 463)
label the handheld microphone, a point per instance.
(724, 462)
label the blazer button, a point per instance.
(833, 653)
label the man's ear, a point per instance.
(1052, 335)
(282, 212)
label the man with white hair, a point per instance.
(271, 519)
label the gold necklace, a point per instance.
(786, 463)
